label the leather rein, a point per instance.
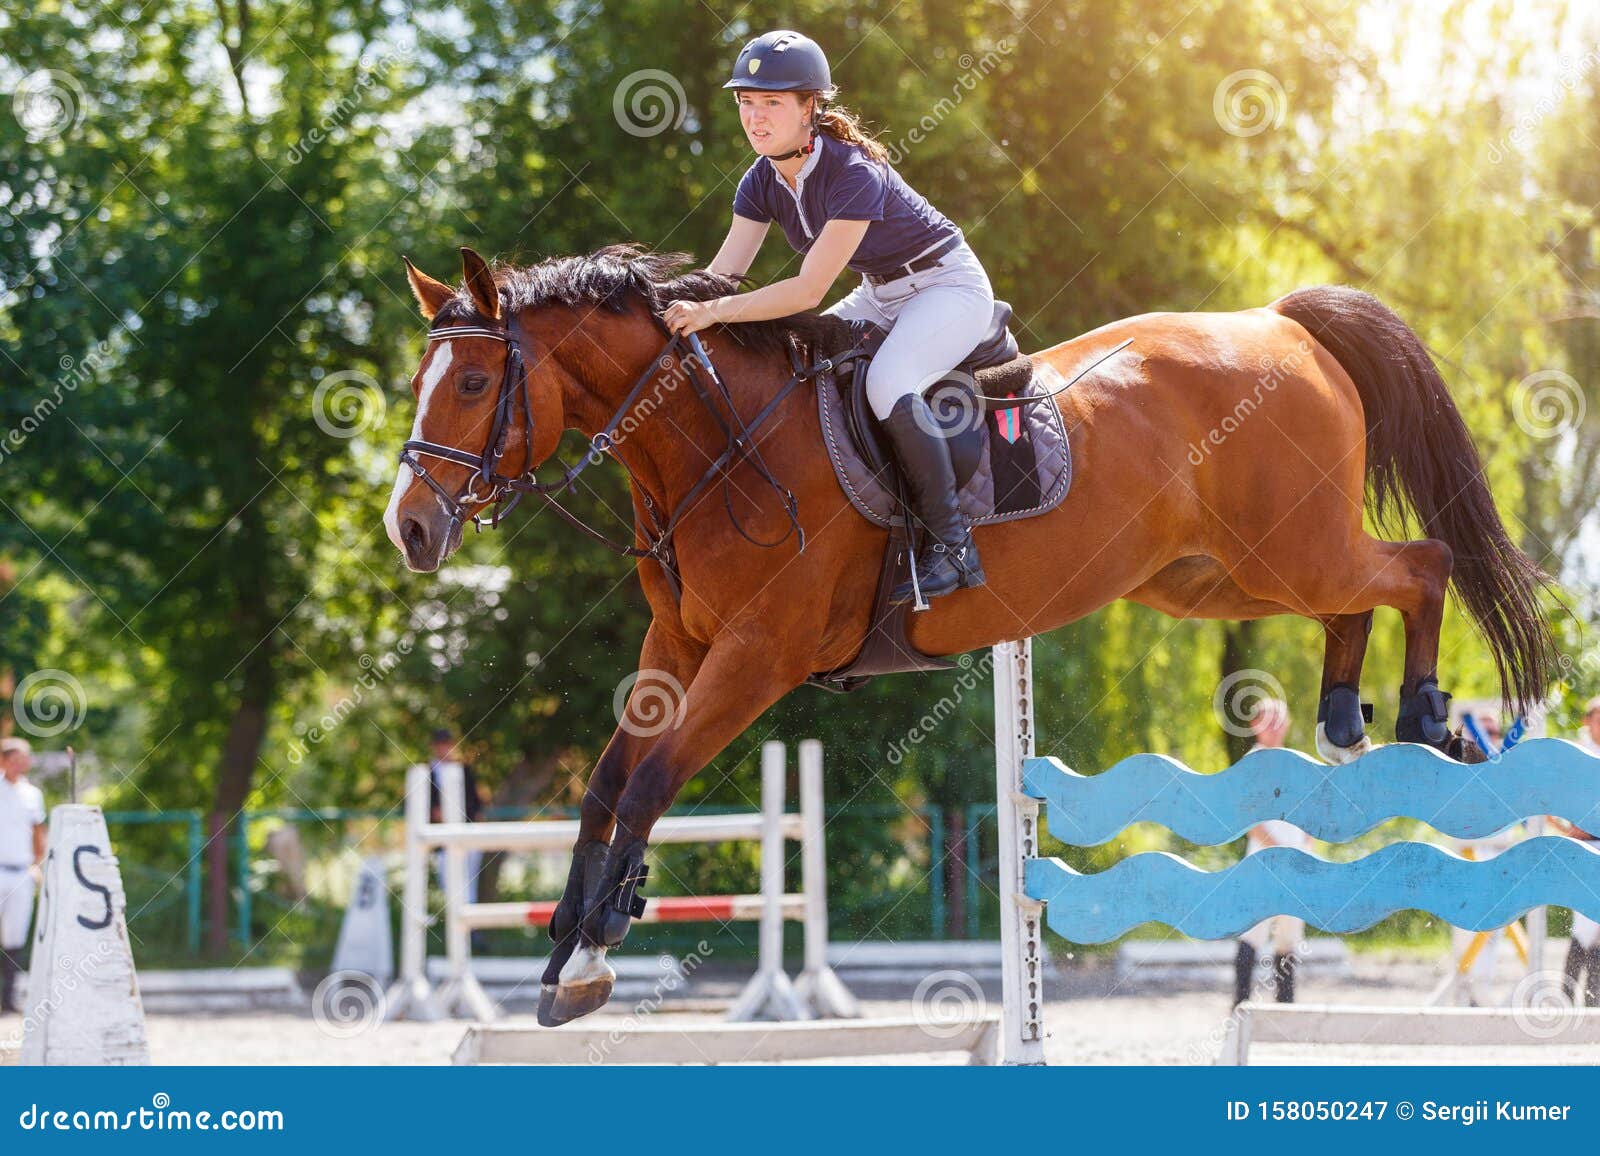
(504, 491)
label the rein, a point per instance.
(504, 492)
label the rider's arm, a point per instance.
(740, 247)
(834, 247)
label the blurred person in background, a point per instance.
(1270, 726)
(22, 841)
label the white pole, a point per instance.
(462, 989)
(824, 991)
(1021, 958)
(412, 995)
(771, 995)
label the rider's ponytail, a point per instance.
(841, 124)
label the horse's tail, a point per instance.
(1420, 458)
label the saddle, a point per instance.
(1011, 461)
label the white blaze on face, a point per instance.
(434, 370)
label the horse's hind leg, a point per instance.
(1341, 719)
(1410, 576)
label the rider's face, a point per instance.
(774, 122)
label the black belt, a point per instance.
(926, 261)
(9, 867)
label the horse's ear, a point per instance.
(480, 283)
(430, 294)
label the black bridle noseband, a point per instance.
(503, 491)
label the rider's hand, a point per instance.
(686, 317)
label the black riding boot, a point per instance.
(1283, 967)
(1244, 972)
(8, 981)
(947, 559)
(1573, 970)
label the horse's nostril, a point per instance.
(414, 536)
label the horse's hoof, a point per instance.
(1340, 755)
(1463, 750)
(575, 1000)
(585, 986)
(547, 1006)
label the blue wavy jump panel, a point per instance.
(1337, 897)
(1335, 804)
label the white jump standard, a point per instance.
(769, 995)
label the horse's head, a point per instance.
(488, 410)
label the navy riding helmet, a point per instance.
(782, 61)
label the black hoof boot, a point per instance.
(1424, 715)
(1343, 715)
(586, 981)
(583, 885)
(618, 902)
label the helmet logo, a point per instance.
(754, 65)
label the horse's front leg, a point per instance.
(653, 703)
(734, 685)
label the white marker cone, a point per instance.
(83, 994)
(366, 941)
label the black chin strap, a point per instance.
(804, 150)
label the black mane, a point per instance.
(617, 275)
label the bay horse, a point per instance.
(1224, 465)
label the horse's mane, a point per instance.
(617, 276)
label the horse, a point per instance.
(1224, 465)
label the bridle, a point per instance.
(504, 491)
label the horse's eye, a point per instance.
(474, 383)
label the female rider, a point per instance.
(839, 201)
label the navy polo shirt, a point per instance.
(840, 182)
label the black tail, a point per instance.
(1420, 458)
